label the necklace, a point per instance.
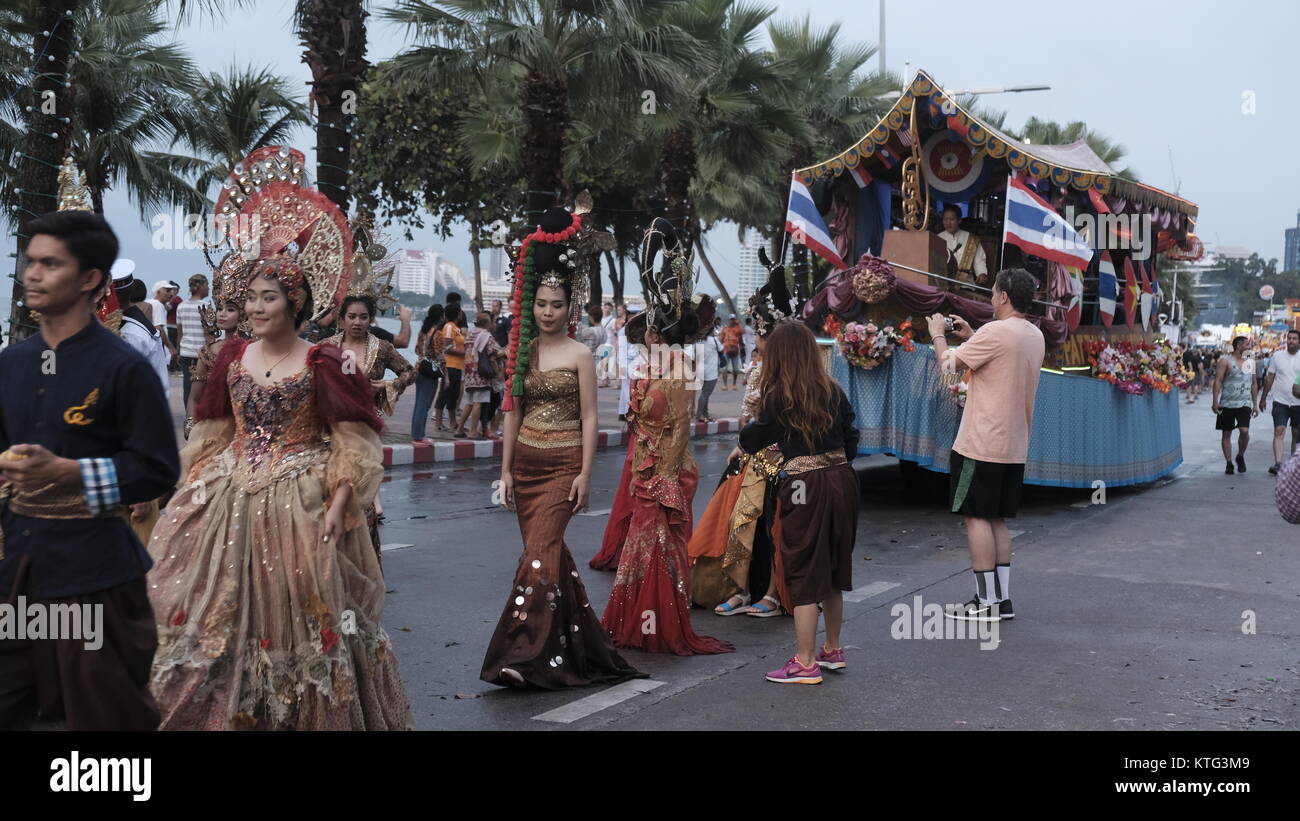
(277, 362)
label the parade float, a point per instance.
(1107, 405)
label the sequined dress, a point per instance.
(649, 606)
(548, 633)
(261, 624)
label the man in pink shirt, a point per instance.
(987, 465)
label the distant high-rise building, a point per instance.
(496, 264)
(414, 273)
(431, 273)
(749, 271)
(1291, 254)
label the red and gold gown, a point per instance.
(261, 624)
(649, 607)
(620, 516)
(548, 634)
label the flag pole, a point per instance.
(1006, 218)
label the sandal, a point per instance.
(729, 609)
(761, 611)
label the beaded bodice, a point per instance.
(277, 429)
(552, 411)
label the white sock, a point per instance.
(1004, 582)
(984, 585)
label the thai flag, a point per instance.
(806, 224)
(1107, 288)
(860, 175)
(1131, 298)
(1035, 228)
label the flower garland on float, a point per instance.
(1136, 367)
(869, 345)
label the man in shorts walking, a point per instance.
(1278, 382)
(987, 463)
(1235, 394)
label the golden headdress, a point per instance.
(282, 228)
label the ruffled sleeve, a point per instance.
(356, 457)
(215, 403)
(346, 407)
(342, 393)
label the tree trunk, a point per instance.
(722, 289)
(38, 172)
(593, 279)
(621, 281)
(677, 167)
(546, 118)
(478, 268)
(333, 35)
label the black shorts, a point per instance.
(1286, 415)
(1232, 418)
(984, 490)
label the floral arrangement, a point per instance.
(958, 392)
(869, 345)
(1136, 367)
(873, 279)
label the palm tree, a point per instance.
(333, 34)
(832, 90)
(128, 87)
(1050, 132)
(37, 41)
(36, 38)
(557, 54)
(735, 120)
(233, 114)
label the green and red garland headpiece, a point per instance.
(524, 330)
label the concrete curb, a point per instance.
(456, 450)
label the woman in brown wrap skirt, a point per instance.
(806, 414)
(548, 635)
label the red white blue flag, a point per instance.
(1034, 227)
(1107, 289)
(805, 223)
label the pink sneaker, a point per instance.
(795, 673)
(831, 659)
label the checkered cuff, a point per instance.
(99, 484)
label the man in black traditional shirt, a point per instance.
(84, 431)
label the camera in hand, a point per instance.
(948, 325)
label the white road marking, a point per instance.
(603, 700)
(869, 590)
(384, 548)
(1015, 533)
(603, 512)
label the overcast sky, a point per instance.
(1173, 82)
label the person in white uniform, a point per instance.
(137, 331)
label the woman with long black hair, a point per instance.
(806, 414)
(548, 636)
(427, 374)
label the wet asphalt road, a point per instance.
(1130, 613)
